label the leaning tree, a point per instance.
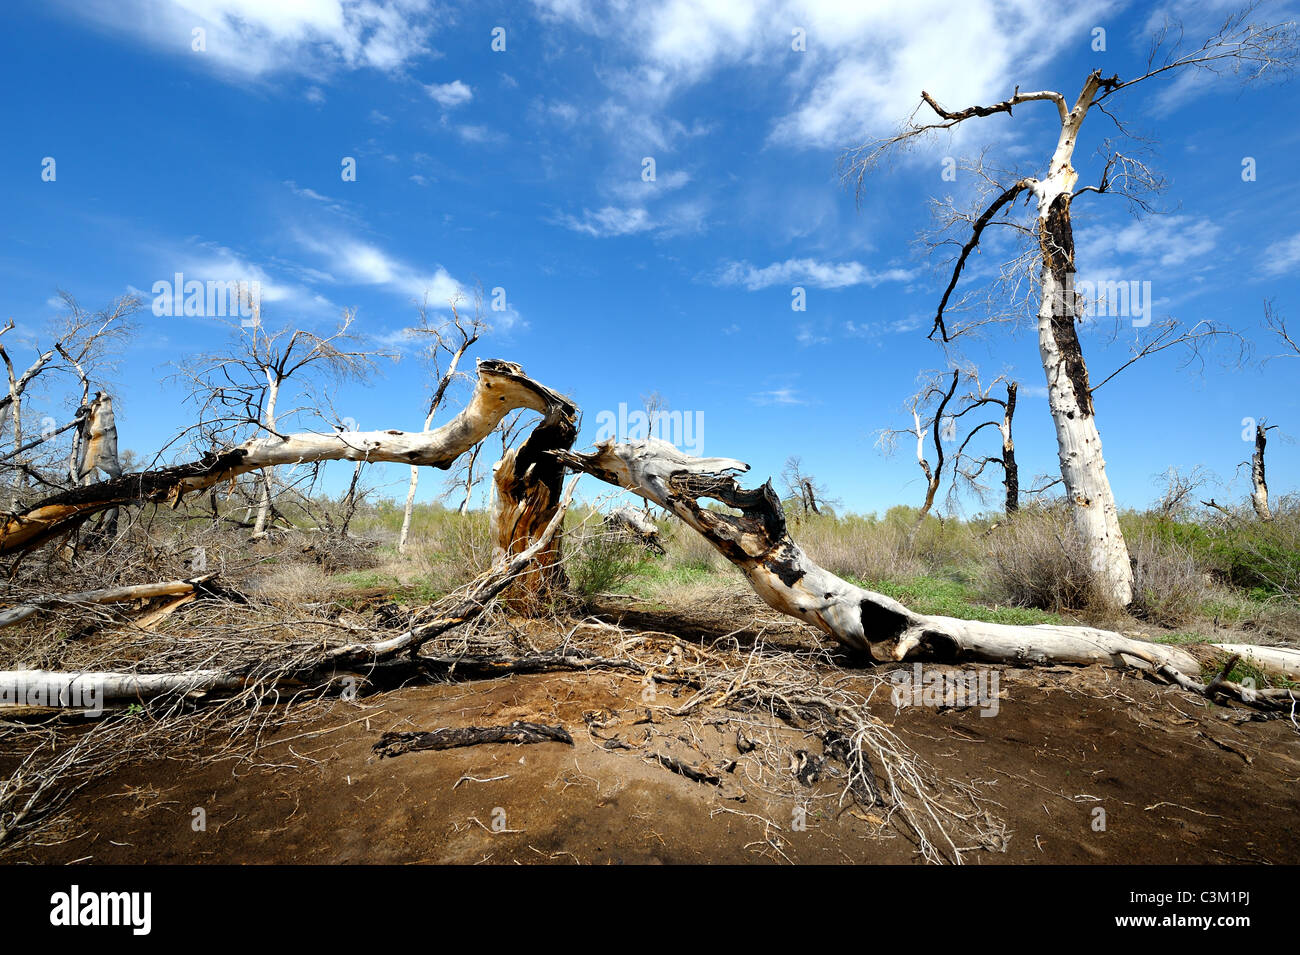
(1240, 46)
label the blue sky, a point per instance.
(523, 168)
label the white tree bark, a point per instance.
(1083, 469)
(758, 543)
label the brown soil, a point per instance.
(1179, 780)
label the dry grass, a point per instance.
(1037, 559)
(1169, 589)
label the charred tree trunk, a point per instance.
(1083, 469)
(1259, 486)
(1010, 470)
(809, 497)
(528, 482)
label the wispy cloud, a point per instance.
(778, 396)
(1282, 257)
(352, 261)
(680, 218)
(254, 38)
(807, 272)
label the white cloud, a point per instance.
(450, 95)
(253, 38)
(864, 66)
(352, 261)
(806, 336)
(807, 272)
(610, 221)
(1163, 241)
(680, 218)
(778, 396)
(1282, 257)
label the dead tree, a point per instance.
(468, 477)
(1180, 488)
(82, 342)
(807, 494)
(1258, 482)
(632, 522)
(454, 339)
(241, 391)
(751, 532)
(501, 387)
(939, 426)
(527, 484)
(758, 543)
(968, 468)
(1239, 46)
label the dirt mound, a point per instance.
(1176, 780)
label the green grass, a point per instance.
(1179, 638)
(953, 598)
(414, 592)
(672, 573)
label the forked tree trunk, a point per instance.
(1259, 486)
(1083, 469)
(528, 482)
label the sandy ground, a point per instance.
(1179, 781)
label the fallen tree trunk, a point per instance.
(501, 387)
(318, 667)
(757, 541)
(163, 588)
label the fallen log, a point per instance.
(757, 541)
(164, 588)
(518, 732)
(40, 687)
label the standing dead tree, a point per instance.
(807, 495)
(1258, 481)
(1239, 46)
(451, 339)
(939, 425)
(82, 341)
(968, 469)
